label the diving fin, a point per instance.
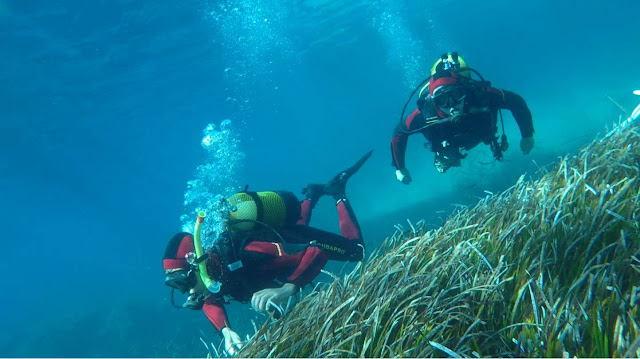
(336, 187)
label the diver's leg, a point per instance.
(346, 247)
(305, 212)
(350, 229)
(313, 193)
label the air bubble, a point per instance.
(214, 181)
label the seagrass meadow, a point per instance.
(548, 268)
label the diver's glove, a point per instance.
(526, 144)
(232, 342)
(403, 176)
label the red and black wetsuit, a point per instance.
(477, 127)
(265, 259)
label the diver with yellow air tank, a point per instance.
(455, 113)
(267, 254)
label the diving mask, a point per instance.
(448, 97)
(182, 280)
(195, 301)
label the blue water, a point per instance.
(103, 104)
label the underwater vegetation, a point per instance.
(548, 268)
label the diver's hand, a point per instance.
(232, 342)
(526, 144)
(261, 299)
(403, 176)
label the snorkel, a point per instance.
(211, 285)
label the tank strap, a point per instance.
(259, 205)
(292, 205)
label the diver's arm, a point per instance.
(398, 148)
(214, 310)
(515, 103)
(413, 122)
(311, 262)
(400, 138)
(232, 341)
(304, 265)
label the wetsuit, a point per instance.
(479, 126)
(266, 260)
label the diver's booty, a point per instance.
(337, 186)
(313, 193)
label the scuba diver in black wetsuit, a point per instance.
(268, 253)
(455, 113)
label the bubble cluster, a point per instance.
(253, 35)
(403, 47)
(214, 181)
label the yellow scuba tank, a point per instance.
(453, 59)
(448, 60)
(274, 208)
